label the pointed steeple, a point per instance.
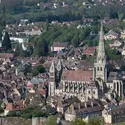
(59, 65)
(101, 58)
(52, 67)
(100, 67)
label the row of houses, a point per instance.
(114, 35)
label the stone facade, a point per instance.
(84, 110)
(87, 84)
(114, 115)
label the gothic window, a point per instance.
(93, 92)
(97, 68)
(80, 87)
(117, 86)
(71, 85)
(100, 68)
(88, 98)
(75, 85)
(114, 85)
(84, 89)
(66, 84)
(89, 91)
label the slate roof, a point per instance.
(36, 81)
(90, 106)
(112, 33)
(112, 76)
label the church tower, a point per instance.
(59, 68)
(52, 84)
(100, 67)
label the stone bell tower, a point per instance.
(100, 67)
(52, 83)
(59, 69)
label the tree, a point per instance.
(51, 120)
(42, 48)
(122, 68)
(6, 43)
(120, 16)
(38, 69)
(0, 33)
(47, 26)
(75, 41)
(91, 121)
(84, 33)
(18, 49)
(30, 50)
(113, 54)
(79, 122)
(26, 68)
(96, 121)
(84, 57)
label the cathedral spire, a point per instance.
(101, 49)
(59, 65)
(52, 84)
(100, 67)
(52, 67)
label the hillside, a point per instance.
(67, 10)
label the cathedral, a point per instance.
(97, 84)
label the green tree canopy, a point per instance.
(6, 43)
(18, 49)
(75, 41)
(51, 120)
(78, 122)
(38, 69)
(91, 121)
(41, 48)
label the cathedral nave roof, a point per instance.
(77, 75)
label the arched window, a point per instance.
(117, 86)
(97, 68)
(89, 91)
(114, 85)
(100, 68)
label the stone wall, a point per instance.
(15, 121)
(19, 121)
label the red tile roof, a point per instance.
(6, 55)
(29, 84)
(60, 44)
(77, 75)
(43, 92)
(11, 106)
(90, 51)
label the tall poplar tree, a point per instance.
(6, 43)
